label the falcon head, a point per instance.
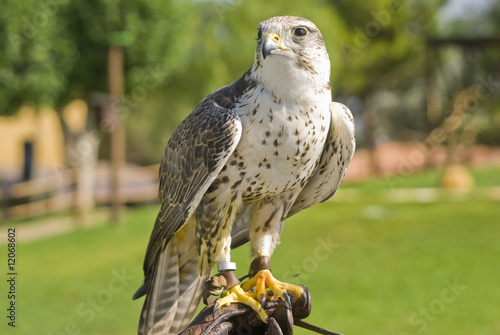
(290, 56)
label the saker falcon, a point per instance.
(250, 155)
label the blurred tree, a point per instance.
(36, 56)
(154, 34)
(57, 51)
(384, 41)
(383, 50)
(479, 66)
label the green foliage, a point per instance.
(152, 32)
(33, 68)
(477, 65)
(480, 24)
(383, 43)
(56, 51)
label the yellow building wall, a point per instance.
(43, 128)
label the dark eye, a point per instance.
(259, 34)
(300, 32)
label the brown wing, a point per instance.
(193, 158)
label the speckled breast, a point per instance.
(279, 147)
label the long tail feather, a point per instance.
(174, 292)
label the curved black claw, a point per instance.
(216, 307)
(287, 300)
(262, 299)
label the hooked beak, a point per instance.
(272, 42)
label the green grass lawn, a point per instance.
(372, 266)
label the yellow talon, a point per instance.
(236, 295)
(264, 280)
(266, 288)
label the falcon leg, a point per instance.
(235, 294)
(266, 286)
(267, 223)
